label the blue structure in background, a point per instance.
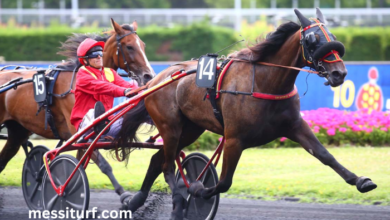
(318, 95)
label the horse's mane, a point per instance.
(69, 48)
(272, 43)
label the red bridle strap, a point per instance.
(313, 25)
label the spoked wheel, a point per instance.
(33, 170)
(76, 193)
(198, 208)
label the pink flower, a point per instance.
(356, 128)
(160, 140)
(383, 129)
(331, 131)
(368, 130)
(342, 129)
(283, 139)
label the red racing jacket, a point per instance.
(94, 85)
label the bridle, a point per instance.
(309, 44)
(322, 72)
(130, 73)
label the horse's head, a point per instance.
(320, 49)
(127, 52)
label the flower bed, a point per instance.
(337, 127)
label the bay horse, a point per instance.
(123, 49)
(181, 114)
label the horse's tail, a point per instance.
(131, 122)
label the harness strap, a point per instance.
(49, 119)
(275, 97)
(252, 93)
(213, 93)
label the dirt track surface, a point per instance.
(158, 206)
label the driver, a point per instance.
(96, 87)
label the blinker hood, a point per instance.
(324, 48)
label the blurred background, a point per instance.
(353, 114)
(177, 30)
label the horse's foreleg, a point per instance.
(17, 135)
(231, 156)
(154, 170)
(309, 141)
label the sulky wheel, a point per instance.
(76, 193)
(198, 208)
(33, 170)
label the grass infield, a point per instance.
(268, 174)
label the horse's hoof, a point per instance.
(137, 201)
(176, 217)
(364, 184)
(196, 189)
(177, 214)
(124, 197)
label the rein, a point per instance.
(276, 65)
(258, 94)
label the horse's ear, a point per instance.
(117, 27)
(304, 21)
(135, 25)
(320, 16)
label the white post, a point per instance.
(41, 5)
(273, 3)
(316, 3)
(20, 9)
(295, 4)
(237, 7)
(337, 6)
(75, 12)
(253, 6)
(337, 3)
(62, 8)
(368, 3)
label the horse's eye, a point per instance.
(130, 48)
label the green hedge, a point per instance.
(178, 43)
(364, 44)
(181, 43)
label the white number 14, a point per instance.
(208, 66)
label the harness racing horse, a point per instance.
(18, 108)
(181, 114)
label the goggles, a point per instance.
(95, 54)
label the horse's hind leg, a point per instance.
(190, 133)
(17, 135)
(106, 168)
(303, 135)
(232, 152)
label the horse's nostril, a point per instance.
(336, 74)
(147, 77)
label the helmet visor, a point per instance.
(95, 54)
